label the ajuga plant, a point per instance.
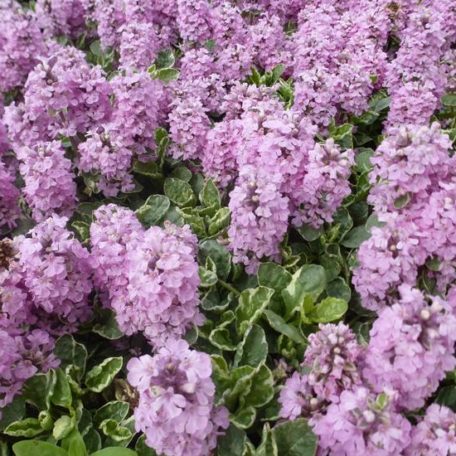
(227, 228)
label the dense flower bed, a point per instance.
(228, 228)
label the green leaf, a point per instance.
(14, 411)
(82, 229)
(179, 192)
(182, 173)
(115, 451)
(253, 349)
(108, 327)
(232, 442)
(295, 438)
(221, 338)
(277, 71)
(244, 418)
(153, 210)
(219, 221)
(343, 220)
(212, 301)
(433, 264)
(363, 159)
(167, 74)
(449, 100)
(142, 449)
(252, 303)
(165, 59)
(45, 419)
(101, 376)
(279, 324)
(148, 169)
(115, 410)
(268, 446)
(401, 201)
(342, 135)
(71, 352)
(373, 221)
(332, 265)
(218, 254)
(338, 288)
(111, 428)
(235, 386)
(207, 278)
(356, 237)
(37, 448)
(309, 233)
(160, 135)
(330, 309)
(447, 396)
(209, 195)
(38, 389)
(62, 393)
(76, 445)
(92, 440)
(274, 276)
(262, 389)
(28, 427)
(62, 427)
(308, 282)
(195, 221)
(95, 48)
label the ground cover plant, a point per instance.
(228, 228)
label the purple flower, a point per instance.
(411, 347)
(333, 356)
(9, 198)
(435, 434)
(49, 185)
(297, 398)
(48, 280)
(362, 423)
(21, 45)
(176, 401)
(259, 216)
(162, 293)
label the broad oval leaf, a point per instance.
(71, 352)
(209, 195)
(62, 427)
(28, 427)
(62, 393)
(244, 418)
(37, 447)
(115, 410)
(308, 282)
(252, 303)
(274, 276)
(329, 309)
(101, 376)
(356, 237)
(153, 210)
(279, 324)
(253, 349)
(232, 442)
(295, 438)
(179, 192)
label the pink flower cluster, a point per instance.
(149, 277)
(176, 401)
(354, 394)
(45, 282)
(414, 190)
